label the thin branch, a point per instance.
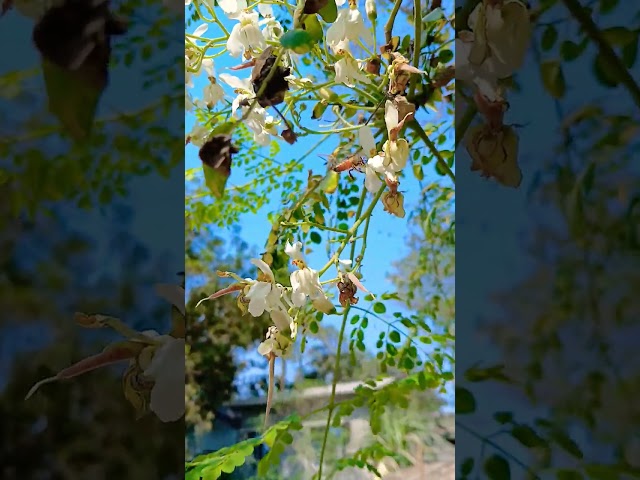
(388, 28)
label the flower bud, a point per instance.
(370, 7)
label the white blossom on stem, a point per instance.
(305, 281)
(245, 35)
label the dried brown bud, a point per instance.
(373, 65)
(276, 87)
(347, 292)
(217, 152)
(289, 136)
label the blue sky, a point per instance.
(387, 234)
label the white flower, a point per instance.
(497, 43)
(265, 9)
(198, 135)
(305, 281)
(167, 371)
(206, 65)
(368, 144)
(212, 93)
(348, 26)
(261, 124)
(245, 35)
(273, 29)
(231, 8)
(348, 71)
(275, 342)
(294, 250)
(264, 295)
(188, 102)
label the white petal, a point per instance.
(371, 182)
(390, 115)
(367, 142)
(198, 32)
(232, 81)
(264, 267)
(265, 10)
(345, 262)
(266, 347)
(294, 250)
(234, 43)
(281, 320)
(207, 64)
(174, 294)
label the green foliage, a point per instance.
(211, 466)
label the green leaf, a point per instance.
(465, 401)
(73, 97)
(417, 171)
(315, 237)
(329, 12)
(318, 110)
(215, 180)
(312, 25)
(467, 466)
(379, 308)
(433, 16)
(607, 6)
(569, 50)
(553, 78)
(527, 436)
(394, 336)
(497, 468)
(566, 443)
(503, 417)
(619, 36)
(603, 71)
(549, 37)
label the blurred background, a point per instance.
(87, 224)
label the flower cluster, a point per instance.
(492, 50)
(154, 380)
(393, 158)
(265, 295)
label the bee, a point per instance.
(350, 164)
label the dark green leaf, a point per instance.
(549, 37)
(329, 12)
(497, 468)
(553, 78)
(73, 97)
(465, 401)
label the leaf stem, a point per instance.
(415, 126)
